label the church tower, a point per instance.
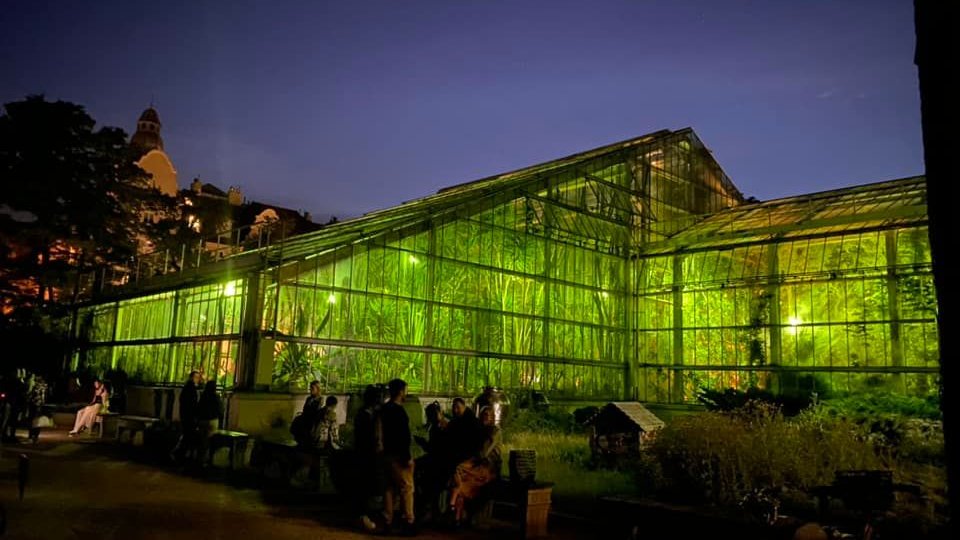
(155, 161)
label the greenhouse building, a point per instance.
(636, 270)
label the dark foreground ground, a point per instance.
(83, 488)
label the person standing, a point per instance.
(326, 429)
(463, 432)
(209, 412)
(394, 446)
(36, 398)
(367, 484)
(188, 416)
(302, 426)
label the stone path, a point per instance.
(81, 489)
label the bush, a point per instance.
(879, 403)
(731, 399)
(721, 457)
(543, 421)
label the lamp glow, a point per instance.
(413, 259)
(794, 322)
(230, 289)
(332, 299)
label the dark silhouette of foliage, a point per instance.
(72, 199)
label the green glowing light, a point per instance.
(230, 289)
(413, 259)
(332, 299)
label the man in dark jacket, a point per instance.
(303, 424)
(394, 429)
(463, 432)
(367, 484)
(189, 396)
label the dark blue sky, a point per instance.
(348, 106)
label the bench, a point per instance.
(101, 421)
(867, 492)
(136, 425)
(532, 498)
(232, 440)
(281, 459)
(62, 414)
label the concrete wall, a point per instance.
(260, 413)
(270, 414)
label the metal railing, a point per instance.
(188, 257)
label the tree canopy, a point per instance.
(72, 199)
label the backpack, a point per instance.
(299, 428)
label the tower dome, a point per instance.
(153, 159)
(148, 131)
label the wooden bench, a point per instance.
(533, 500)
(134, 424)
(232, 440)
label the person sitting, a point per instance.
(88, 415)
(483, 467)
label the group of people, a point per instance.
(316, 427)
(22, 396)
(462, 456)
(200, 414)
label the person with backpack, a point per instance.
(303, 424)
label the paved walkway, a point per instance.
(81, 489)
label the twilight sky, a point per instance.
(348, 106)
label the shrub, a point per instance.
(543, 421)
(721, 457)
(731, 399)
(879, 403)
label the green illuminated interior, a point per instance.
(634, 270)
(160, 338)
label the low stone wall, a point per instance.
(258, 413)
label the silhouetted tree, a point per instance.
(71, 198)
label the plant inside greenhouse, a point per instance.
(636, 270)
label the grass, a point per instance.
(564, 459)
(722, 458)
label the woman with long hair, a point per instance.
(98, 404)
(480, 469)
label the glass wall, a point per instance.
(522, 287)
(160, 338)
(629, 271)
(815, 307)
